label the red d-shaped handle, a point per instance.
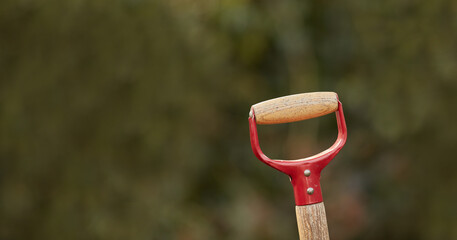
(304, 173)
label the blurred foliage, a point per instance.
(127, 119)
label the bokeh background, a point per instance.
(127, 119)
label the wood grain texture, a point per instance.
(312, 222)
(296, 107)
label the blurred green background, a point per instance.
(127, 119)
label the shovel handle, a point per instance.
(312, 222)
(296, 107)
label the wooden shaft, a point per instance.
(296, 107)
(312, 222)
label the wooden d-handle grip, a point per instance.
(296, 107)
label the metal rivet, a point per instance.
(310, 191)
(307, 172)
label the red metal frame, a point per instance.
(295, 168)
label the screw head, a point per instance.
(310, 191)
(307, 172)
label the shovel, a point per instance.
(304, 173)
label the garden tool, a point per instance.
(304, 173)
